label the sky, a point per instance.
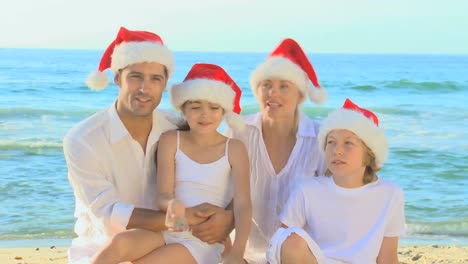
(320, 26)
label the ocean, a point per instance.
(421, 101)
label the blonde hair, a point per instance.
(370, 173)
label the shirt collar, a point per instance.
(306, 125)
(118, 130)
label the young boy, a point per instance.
(349, 215)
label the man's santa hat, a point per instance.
(361, 122)
(130, 47)
(211, 83)
(289, 62)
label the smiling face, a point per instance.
(141, 86)
(345, 152)
(278, 98)
(202, 116)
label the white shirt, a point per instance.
(110, 175)
(348, 224)
(270, 190)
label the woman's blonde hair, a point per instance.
(370, 174)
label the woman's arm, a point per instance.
(238, 158)
(388, 253)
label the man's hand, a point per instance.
(216, 228)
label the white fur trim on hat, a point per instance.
(203, 89)
(280, 68)
(97, 80)
(128, 53)
(364, 128)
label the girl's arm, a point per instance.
(238, 158)
(165, 180)
(388, 251)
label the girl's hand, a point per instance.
(175, 216)
(234, 259)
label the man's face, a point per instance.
(141, 86)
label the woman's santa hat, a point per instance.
(130, 47)
(361, 122)
(289, 62)
(210, 82)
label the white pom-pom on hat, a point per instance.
(97, 80)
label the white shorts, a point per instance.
(202, 252)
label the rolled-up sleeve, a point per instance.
(90, 181)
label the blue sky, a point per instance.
(326, 26)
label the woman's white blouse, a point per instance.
(270, 191)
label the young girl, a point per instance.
(350, 215)
(197, 165)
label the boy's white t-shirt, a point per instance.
(347, 224)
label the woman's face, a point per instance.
(278, 98)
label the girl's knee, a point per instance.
(119, 243)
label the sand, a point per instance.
(407, 254)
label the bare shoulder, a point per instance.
(168, 139)
(168, 136)
(236, 147)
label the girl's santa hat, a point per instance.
(130, 47)
(289, 62)
(361, 122)
(210, 82)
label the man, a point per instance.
(110, 155)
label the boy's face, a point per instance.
(344, 153)
(141, 86)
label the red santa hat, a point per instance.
(210, 82)
(130, 47)
(361, 122)
(289, 62)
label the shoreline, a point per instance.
(54, 251)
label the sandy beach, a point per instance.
(408, 254)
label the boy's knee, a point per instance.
(294, 242)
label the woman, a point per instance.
(281, 140)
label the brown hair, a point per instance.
(370, 173)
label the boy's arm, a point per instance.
(388, 253)
(239, 161)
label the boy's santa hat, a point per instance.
(289, 62)
(130, 47)
(361, 122)
(210, 82)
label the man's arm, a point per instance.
(88, 178)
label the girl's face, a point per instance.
(202, 116)
(278, 98)
(344, 153)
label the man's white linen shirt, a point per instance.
(110, 175)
